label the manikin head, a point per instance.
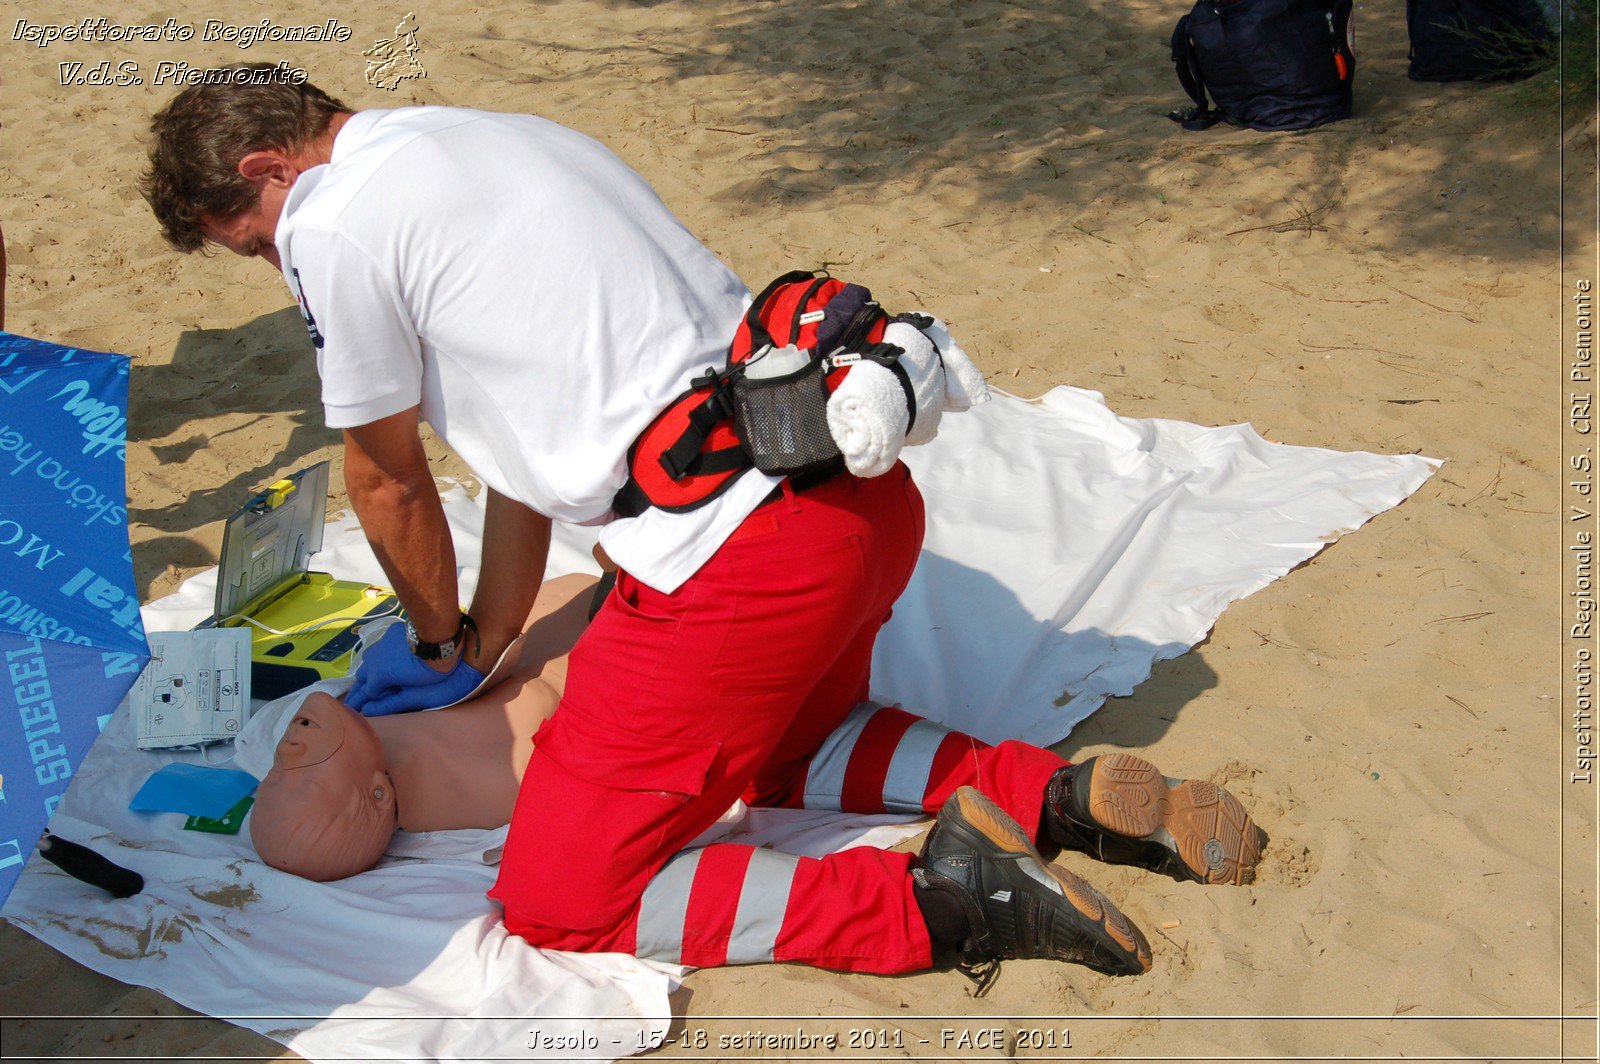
(327, 809)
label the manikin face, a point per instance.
(327, 808)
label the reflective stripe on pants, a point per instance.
(883, 759)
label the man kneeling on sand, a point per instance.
(341, 784)
(517, 286)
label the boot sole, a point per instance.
(980, 816)
(1202, 823)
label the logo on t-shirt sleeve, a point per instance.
(305, 311)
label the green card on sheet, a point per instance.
(227, 824)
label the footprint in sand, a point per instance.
(1233, 318)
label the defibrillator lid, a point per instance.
(270, 542)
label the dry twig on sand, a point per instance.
(1306, 219)
(1086, 232)
(1435, 306)
(1307, 295)
(1489, 488)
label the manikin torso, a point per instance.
(341, 783)
(460, 767)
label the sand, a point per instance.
(1390, 711)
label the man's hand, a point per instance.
(391, 489)
(394, 680)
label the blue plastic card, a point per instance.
(193, 789)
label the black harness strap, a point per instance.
(759, 337)
(860, 324)
(889, 355)
(911, 394)
(724, 461)
(800, 308)
(718, 407)
(631, 501)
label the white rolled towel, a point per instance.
(964, 386)
(925, 371)
(867, 416)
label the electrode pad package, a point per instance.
(195, 690)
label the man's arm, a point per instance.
(516, 542)
(392, 490)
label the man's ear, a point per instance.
(268, 167)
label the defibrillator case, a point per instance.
(304, 625)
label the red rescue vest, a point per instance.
(691, 452)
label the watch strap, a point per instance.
(447, 648)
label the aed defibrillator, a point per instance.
(766, 408)
(305, 626)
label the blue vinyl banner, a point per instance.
(71, 638)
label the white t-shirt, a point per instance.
(531, 293)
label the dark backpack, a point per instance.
(1476, 40)
(1267, 64)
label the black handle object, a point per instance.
(80, 862)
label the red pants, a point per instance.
(748, 681)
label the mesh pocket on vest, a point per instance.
(783, 421)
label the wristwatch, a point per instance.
(427, 651)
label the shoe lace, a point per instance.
(983, 971)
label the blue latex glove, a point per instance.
(394, 680)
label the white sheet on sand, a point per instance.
(1068, 549)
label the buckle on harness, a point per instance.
(884, 354)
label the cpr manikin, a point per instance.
(342, 783)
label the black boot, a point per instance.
(1121, 809)
(979, 861)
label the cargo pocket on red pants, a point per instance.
(590, 820)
